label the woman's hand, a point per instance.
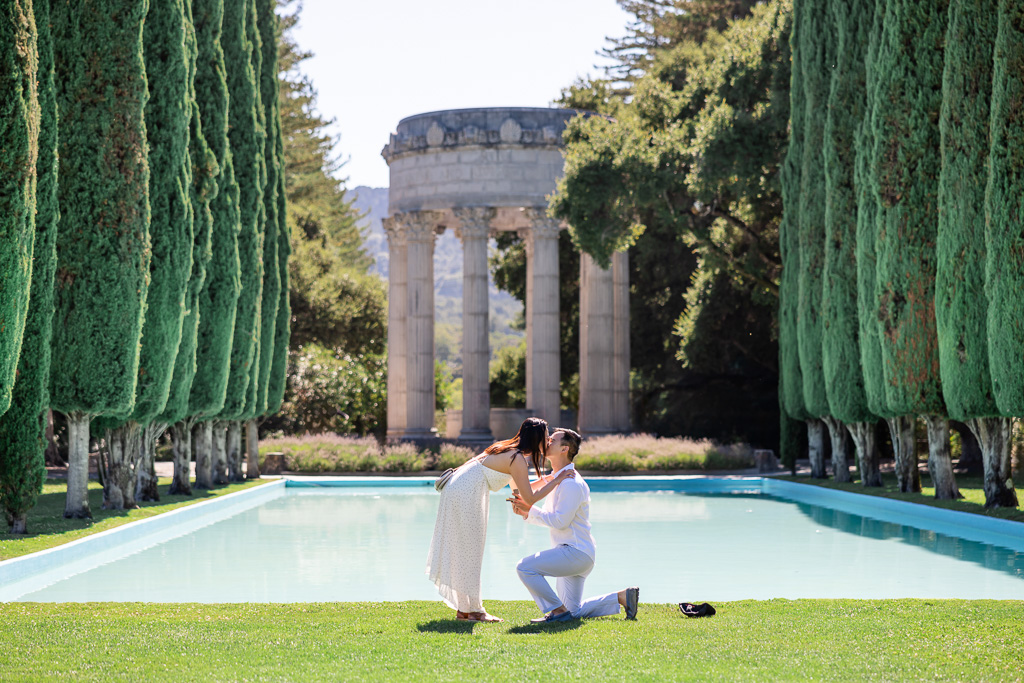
(566, 474)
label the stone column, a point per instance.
(473, 230)
(397, 324)
(419, 387)
(543, 354)
(597, 349)
(620, 322)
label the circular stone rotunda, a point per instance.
(477, 172)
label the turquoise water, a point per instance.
(370, 543)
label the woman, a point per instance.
(457, 548)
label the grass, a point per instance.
(746, 641)
(971, 487)
(633, 453)
(48, 528)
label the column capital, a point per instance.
(394, 228)
(418, 226)
(541, 225)
(474, 221)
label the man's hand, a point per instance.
(520, 506)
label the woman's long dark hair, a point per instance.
(532, 440)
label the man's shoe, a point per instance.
(632, 602)
(552, 618)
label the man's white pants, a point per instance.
(571, 567)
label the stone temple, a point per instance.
(476, 172)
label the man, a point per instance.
(567, 513)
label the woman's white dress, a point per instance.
(457, 547)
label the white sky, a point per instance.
(378, 61)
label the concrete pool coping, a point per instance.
(22, 575)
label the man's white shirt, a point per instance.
(566, 512)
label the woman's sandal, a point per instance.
(482, 617)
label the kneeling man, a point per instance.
(566, 512)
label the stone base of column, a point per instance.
(482, 435)
(416, 434)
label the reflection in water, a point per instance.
(371, 544)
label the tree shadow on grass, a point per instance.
(446, 626)
(556, 627)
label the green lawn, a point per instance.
(756, 641)
(971, 487)
(48, 528)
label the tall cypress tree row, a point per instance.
(1004, 241)
(168, 115)
(22, 427)
(815, 63)
(103, 248)
(202, 189)
(19, 140)
(960, 303)
(908, 99)
(844, 381)
(246, 140)
(218, 298)
(790, 375)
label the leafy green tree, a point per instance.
(218, 298)
(202, 189)
(841, 360)
(908, 99)
(22, 427)
(19, 140)
(960, 304)
(1004, 244)
(103, 248)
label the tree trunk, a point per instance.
(19, 525)
(77, 502)
(120, 455)
(220, 457)
(840, 448)
(52, 453)
(940, 463)
(993, 435)
(181, 439)
(863, 434)
(252, 450)
(203, 450)
(970, 461)
(235, 451)
(816, 447)
(901, 431)
(145, 473)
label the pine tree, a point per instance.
(103, 248)
(1004, 241)
(815, 60)
(22, 428)
(202, 189)
(19, 139)
(218, 298)
(960, 304)
(908, 99)
(790, 375)
(844, 381)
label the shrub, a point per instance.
(452, 456)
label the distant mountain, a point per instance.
(504, 308)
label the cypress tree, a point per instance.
(1004, 242)
(103, 235)
(22, 427)
(960, 304)
(908, 99)
(246, 141)
(815, 60)
(841, 360)
(202, 189)
(19, 139)
(168, 116)
(218, 298)
(790, 374)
